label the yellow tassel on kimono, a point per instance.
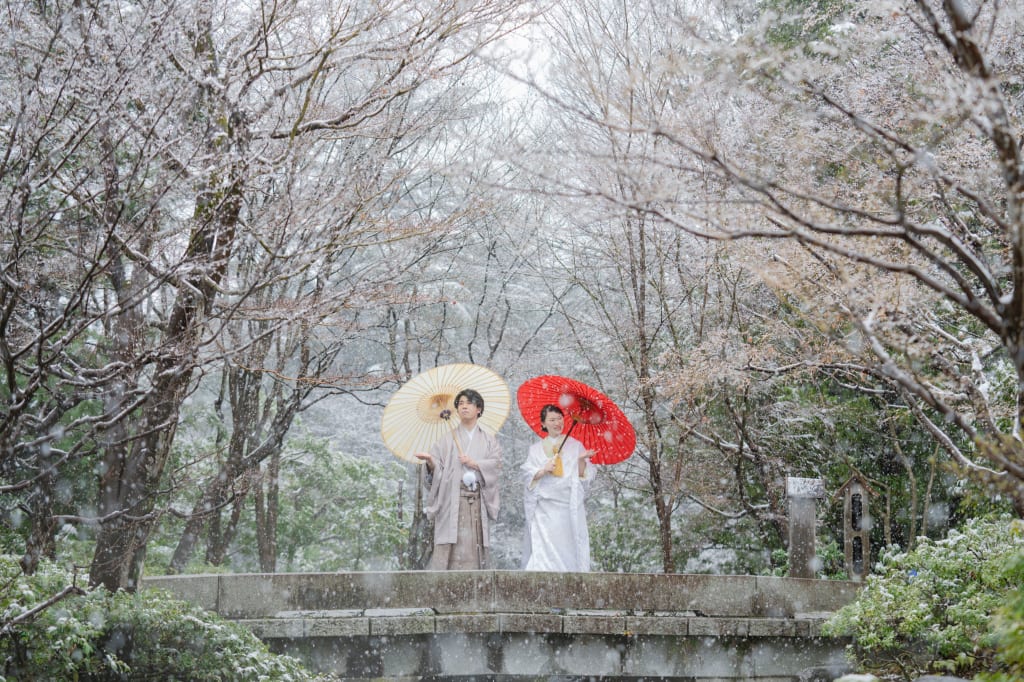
(557, 471)
(551, 450)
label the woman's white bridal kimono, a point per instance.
(556, 522)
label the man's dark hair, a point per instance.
(472, 396)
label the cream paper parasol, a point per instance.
(423, 409)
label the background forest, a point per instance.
(787, 237)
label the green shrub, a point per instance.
(96, 635)
(930, 610)
(1009, 629)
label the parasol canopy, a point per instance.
(591, 416)
(423, 409)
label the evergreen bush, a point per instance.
(931, 610)
(98, 636)
(1009, 629)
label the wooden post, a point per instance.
(856, 528)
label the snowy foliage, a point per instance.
(98, 635)
(931, 609)
(1009, 630)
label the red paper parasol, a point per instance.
(592, 417)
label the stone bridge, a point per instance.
(514, 625)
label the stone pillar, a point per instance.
(803, 494)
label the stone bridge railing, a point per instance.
(518, 625)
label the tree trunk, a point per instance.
(207, 505)
(663, 500)
(267, 507)
(221, 535)
(40, 542)
(421, 533)
(664, 509)
(133, 466)
(129, 484)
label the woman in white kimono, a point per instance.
(557, 474)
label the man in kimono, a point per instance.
(462, 474)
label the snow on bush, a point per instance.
(931, 610)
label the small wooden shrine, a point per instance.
(856, 525)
